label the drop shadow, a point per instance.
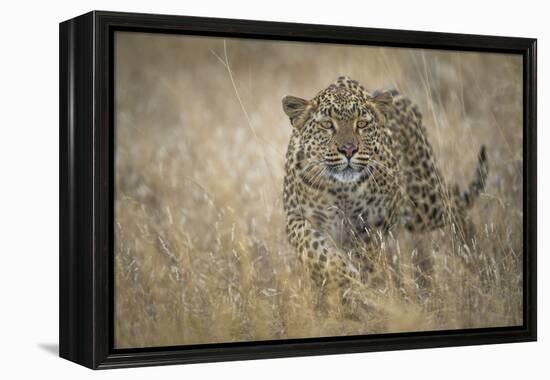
(52, 348)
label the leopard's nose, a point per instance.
(348, 149)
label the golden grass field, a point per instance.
(201, 255)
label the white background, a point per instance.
(29, 187)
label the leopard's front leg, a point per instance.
(329, 268)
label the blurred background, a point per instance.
(200, 250)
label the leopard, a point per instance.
(359, 167)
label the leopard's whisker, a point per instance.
(317, 179)
(372, 176)
(310, 170)
(311, 173)
(381, 166)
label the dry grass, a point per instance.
(201, 254)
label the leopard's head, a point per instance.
(340, 130)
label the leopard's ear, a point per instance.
(384, 101)
(297, 109)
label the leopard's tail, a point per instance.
(468, 196)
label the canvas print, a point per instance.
(269, 190)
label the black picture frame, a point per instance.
(86, 189)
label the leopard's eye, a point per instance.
(361, 124)
(327, 124)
